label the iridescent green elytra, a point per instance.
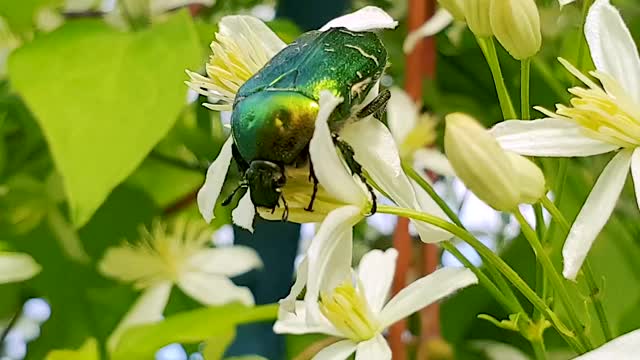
(274, 111)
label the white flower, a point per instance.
(179, 256)
(600, 119)
(625, 347)
(371, 141)
(413, 132)
(16, 267)
(354, 307)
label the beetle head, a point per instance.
(265, 180)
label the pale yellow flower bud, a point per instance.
(480, 162)
(529, 177)
(476, 13)
(454, 7)
(516, 24)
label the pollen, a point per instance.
(606, 113)
(348, 310)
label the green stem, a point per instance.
(488, 47)
(594, 291)
(554, 277)
(525, 77)
(500, 282)
(494, 261)
(539, 350)
(586, 4)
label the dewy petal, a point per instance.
(329, 255)
(635, 173)
(148, 308)
(17, 267)
(244, 213)
(327, 165)
(213, 289)
(295, 322)
(547, 137)
(366, 19)
(424, 291)
(373, 349)
(594, 213)
(402, 114)
(376, 151)
(337, 351)
(434, 160)
(217, 172)
(227, 261)
(612, 48)
(375, 271)
(438, 22)
(623, 347)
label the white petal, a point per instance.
(402, 114)
(565, 2)
(376, 151)
(499, 351)
(635, 173)
(434, 160)
(594, 213)
(295, 322)
(329, 255)
(375, 271)
(373, 349)
(337, 351)
(328, 167)
(217, 172)
(438, 22)
(424, 291)
(254, 31)
(547, 137)
(366, 19)
(17, 267)
(227, 261)
(288, 303)
(244, 213)
(148, 308)
(213, 289)
(625, 347)
(612, 48)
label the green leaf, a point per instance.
(216, 346)
(21, 15)
(88, 351)
(104, 98)
(141, 342)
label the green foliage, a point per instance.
(81, 95)
(88, 351)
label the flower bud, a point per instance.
(454, 7)
(480, 162)
(529, 178)
(476, 13)
(516, 25)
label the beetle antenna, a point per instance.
(229, 199)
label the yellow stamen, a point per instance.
(348, 311)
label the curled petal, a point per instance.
(289, 303)
(438, 22)
(217, 172)
(547, 137)
(422, 292)
(612, 48)
(295, 322)
(366, 19)
(595, 213)
(244, 213)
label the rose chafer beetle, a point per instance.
(274, 112)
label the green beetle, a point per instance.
(275, 110)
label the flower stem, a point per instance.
(553, 276)
(494, 261)
(594, 291)
(525, 76)
(586, 4)
(488, 47)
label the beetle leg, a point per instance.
(376, 107)
(312, 177)
(285, 213)
(355, 167)
(229, 199)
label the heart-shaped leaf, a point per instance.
(104, 98)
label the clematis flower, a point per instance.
(413, 133)
(354, 307)
(602, 118)
(181, 256)
(244, 45)
(16, 267)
